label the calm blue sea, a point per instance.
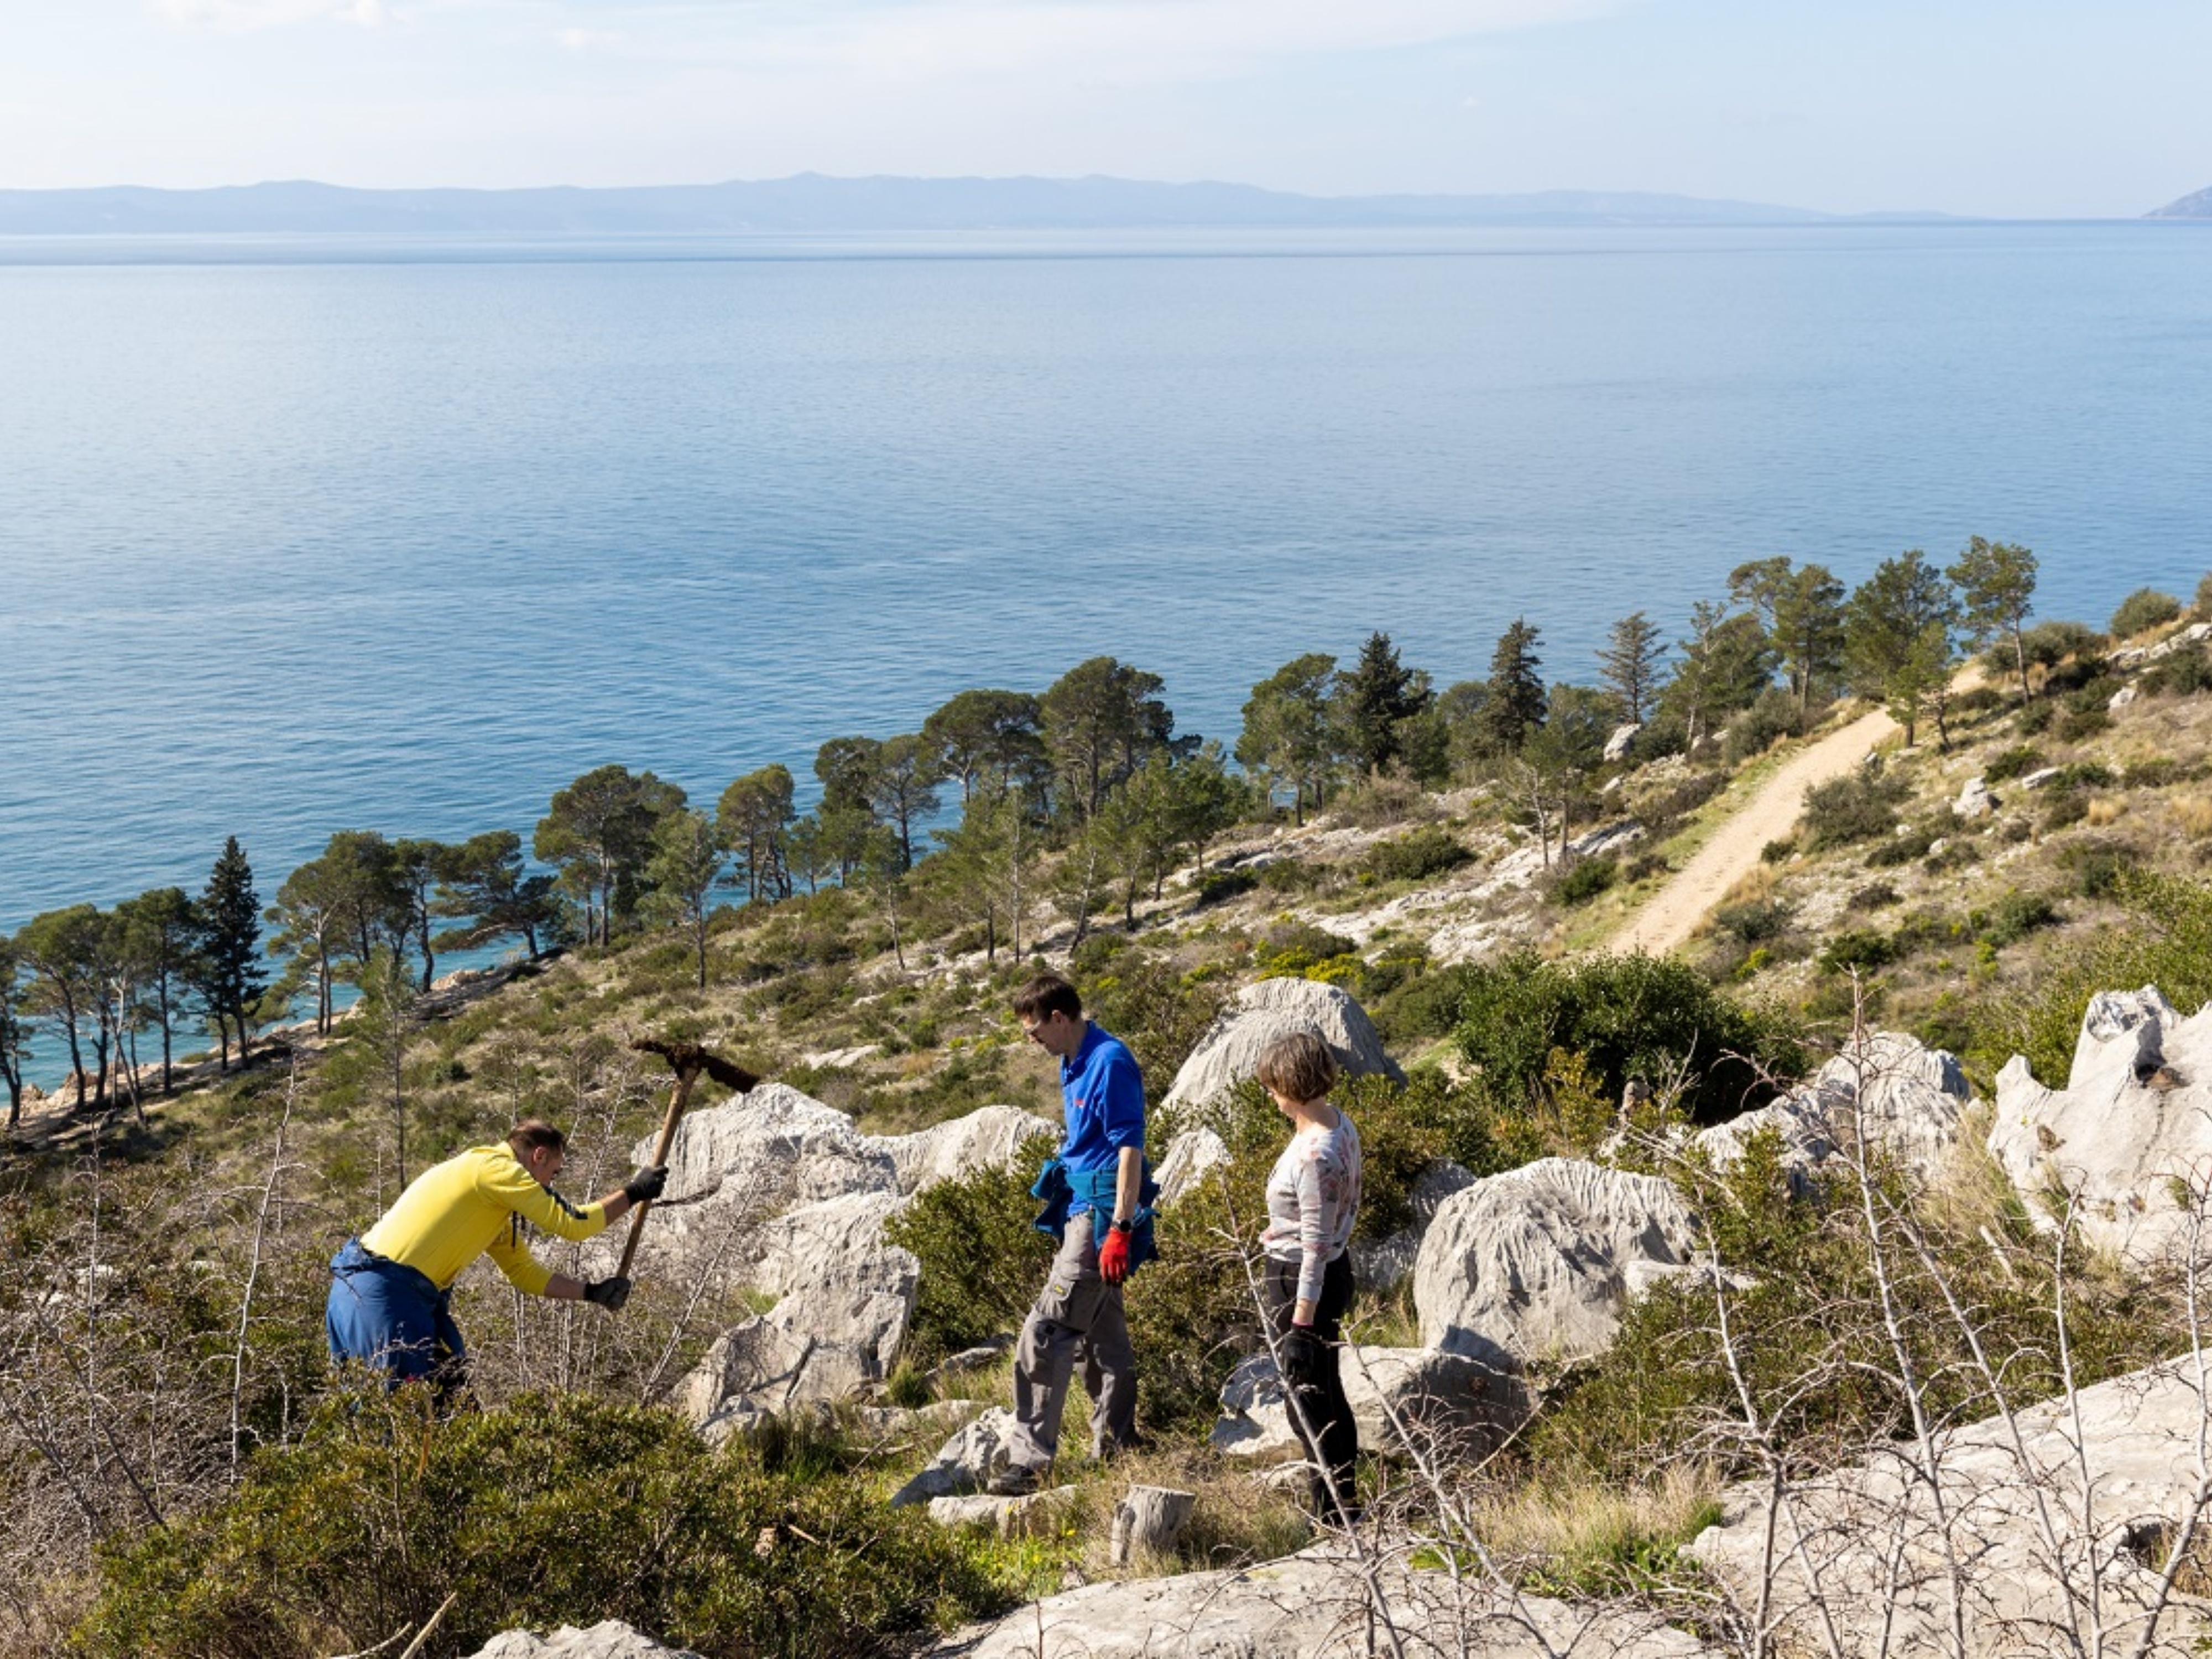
(298, 537)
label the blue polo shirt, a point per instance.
(1103, 1094)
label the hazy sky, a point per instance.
(2031, 107)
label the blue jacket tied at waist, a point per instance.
(1060, 1192)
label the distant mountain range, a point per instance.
(2198, 206)
(812, 202)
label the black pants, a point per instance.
(1313, 1382)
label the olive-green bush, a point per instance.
(554, 1509)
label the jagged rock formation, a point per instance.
(1274, 1008)
(2134, 1119)
(1317, 1604)
(1906, 1100)
(611, 1639)
(2030, 1524)
(1538, 1263)
(778, 1192)
(964, 1462)
(1444, 1403)
(1382, 1264)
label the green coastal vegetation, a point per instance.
(257, 1069)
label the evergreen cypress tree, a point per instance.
(229, 965)
(1372, 698)
(1515, 703)
(1629, 661)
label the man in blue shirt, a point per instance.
(1079, 1309)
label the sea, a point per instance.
(312, 534)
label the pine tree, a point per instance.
(1513, 705)
(1372, 699)
(1897, 641)
(1629, 663)
(228, 960)
(1287, 732)
(1996, 582)
(1806, 629)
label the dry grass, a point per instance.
(1239, 1518)
(2192, 816)
(2105, 811)
(1597, 1538)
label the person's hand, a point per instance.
(1301, 1351)
(1113, 1257)
(608, 1293)
(647, 1184)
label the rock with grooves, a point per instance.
(945, 1151)
(1905, 1099)
(1445, 1402)
(1274, 1008)
(2134, 1119)
(610, 1640)
(964, 1462)
(1191, 1155)
(1539, 1263)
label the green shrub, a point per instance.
(1858, 950)
(1901, 849)
(554, 1509)
(1661, 814)
(2095, 866)
(2011, 763)
(1428, 851)
(2034, 719)
(1778, 851)
(1291, 876)
(2203, 604)
(2076, 725)
(1584, 879)
(2083, 775)
(1874, 895)
(1220, 886)
(1634, 1015)
(2065, 807)
(2141, 610)
(982, 1259)
(1759, 727)
(2014, 917)
(1156, 1008)
(1754, 923)
(2161, 773)
(1424, 1005)
(1860, 805)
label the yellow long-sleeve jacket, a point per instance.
(473, 1203)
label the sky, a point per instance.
(2018, 108)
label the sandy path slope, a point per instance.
(1673, 914)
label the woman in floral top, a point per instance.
(1313, 1199)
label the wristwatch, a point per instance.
(1121, 1226)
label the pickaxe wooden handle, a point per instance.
(690, 1061)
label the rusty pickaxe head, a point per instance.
(692, 1061)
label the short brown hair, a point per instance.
(1046, 995)
(527, 1136)
(1299, 1066)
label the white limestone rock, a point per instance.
(780, 1147)
(2028, 1522)
(819, 1345)
(965, 1462)
(1975, 800)
(1274, 1008)
(1905, 1099)
(838, 1242)
(1383, 1264)
(1318, 1604)
(1616, 746)
(1446, 1402)
(611, 1639)
(986, 1139)
(1191, 1156)
(1041, 1512)
(2135, 1117)
(1538, 1263)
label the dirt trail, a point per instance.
(1673, 914)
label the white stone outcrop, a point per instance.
(820, 1345)
(1383, 1264)
(1445, 1402)
(838, 1242)
(1274, 1008)
(945, 1151)
(965, 1462)
(1538, 1263)
(1617, 745)
(1191, 1156)
(1874, 1566)
(2134, 1119)
(1319, 1604)
(611, 1639)
(1904, 1100)
(1975, 800)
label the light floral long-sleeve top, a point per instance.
(1313, 1199)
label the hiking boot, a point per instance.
(1015, 1480)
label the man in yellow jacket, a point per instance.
(391, 1288)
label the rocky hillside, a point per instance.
(1808, 1225)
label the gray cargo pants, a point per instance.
(1076, 1310)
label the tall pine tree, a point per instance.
(1515, 702)
(228, 961)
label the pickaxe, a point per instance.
(690, 1061)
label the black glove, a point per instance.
(647, 1184)
(608, 1293)
(1301, 1352)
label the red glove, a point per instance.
(1113, 1257)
